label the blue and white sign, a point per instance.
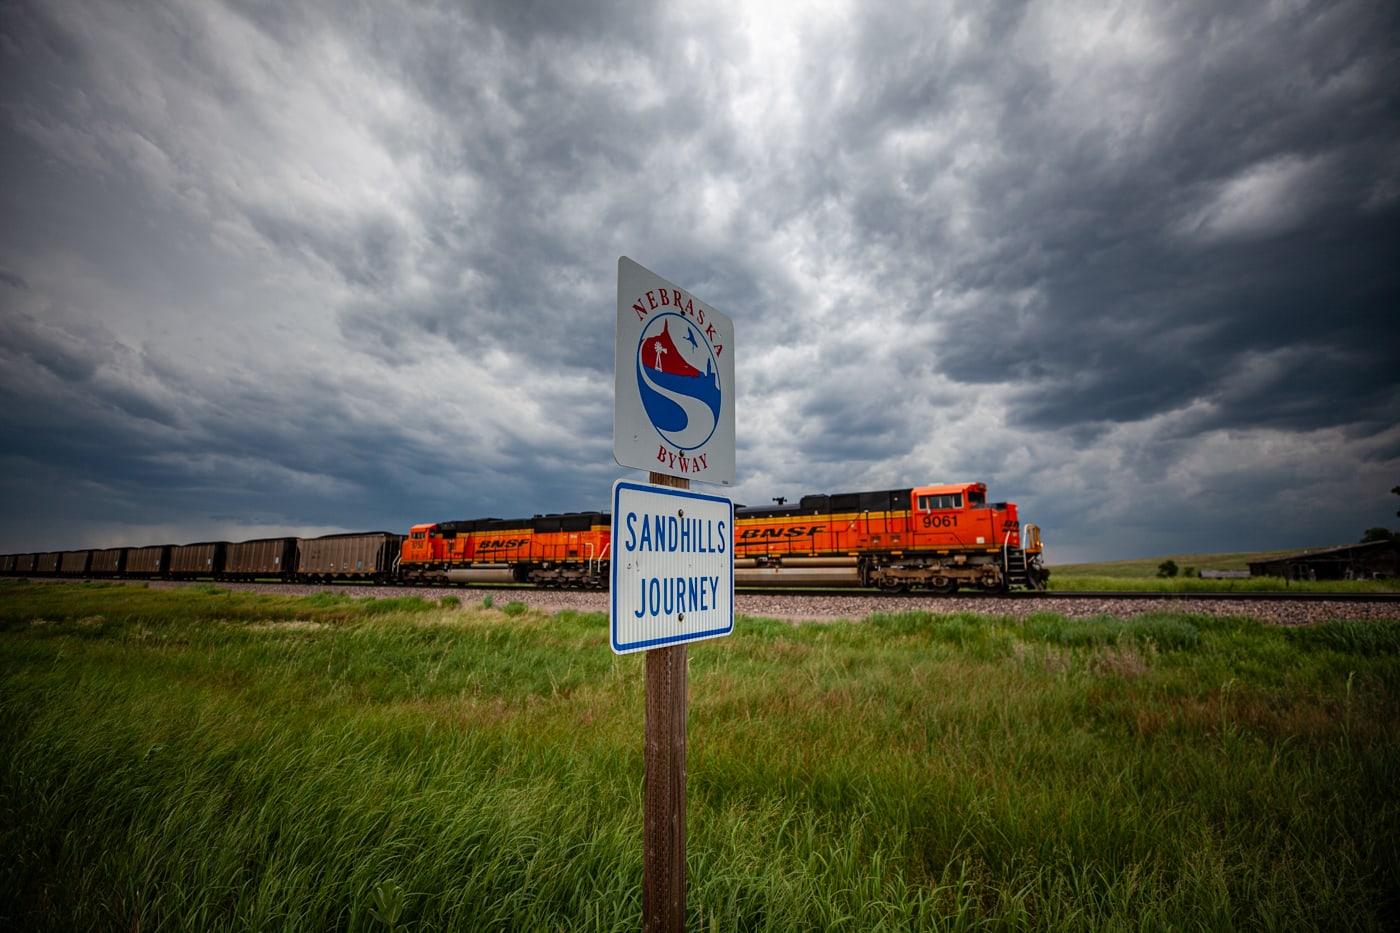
(674, 400)
(672, 566)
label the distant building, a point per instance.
(1349, 562)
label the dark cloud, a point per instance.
(310, 266)
(1138, 268)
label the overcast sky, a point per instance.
(271, 268)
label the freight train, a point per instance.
(935, 538)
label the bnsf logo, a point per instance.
(795, 531)
(500, 545)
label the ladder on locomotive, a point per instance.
(1016, 571)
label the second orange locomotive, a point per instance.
(570, 550)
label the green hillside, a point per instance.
(1147, 566)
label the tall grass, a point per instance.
(227, 761)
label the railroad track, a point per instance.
(922, 596)
(1271, 608)
(1229, 596)
(806, 604)
(1125, 595)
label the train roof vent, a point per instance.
(768, 511)
(884, 500)
(504, 524)
(845, 502)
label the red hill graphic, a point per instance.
(660, 353)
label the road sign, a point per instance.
(674, 401)
(672, 566)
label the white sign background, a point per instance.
(681, 331)
(672, 566)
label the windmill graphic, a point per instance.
(681, 399)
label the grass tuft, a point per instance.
(1366, 639)
(397, 604)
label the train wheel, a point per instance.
(944, 586)
(892, 586)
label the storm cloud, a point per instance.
(305, 268)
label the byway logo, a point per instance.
(674, 380)
(678, 382)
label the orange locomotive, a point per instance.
(934, 537)
(569, 550)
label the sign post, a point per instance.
(663, 781)
(673, 561)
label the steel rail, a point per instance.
(1125, 595)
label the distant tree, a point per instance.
(1382, 534)
(1168, 568)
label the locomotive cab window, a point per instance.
(947, 501)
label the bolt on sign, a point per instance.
(674, 401)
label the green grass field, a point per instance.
(206, 760)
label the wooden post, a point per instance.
(663, 861)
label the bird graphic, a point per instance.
(690, 335)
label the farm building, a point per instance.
(1205, 574)
(1349, 562)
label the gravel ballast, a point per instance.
(824, 608)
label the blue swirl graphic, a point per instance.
(683, 409)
